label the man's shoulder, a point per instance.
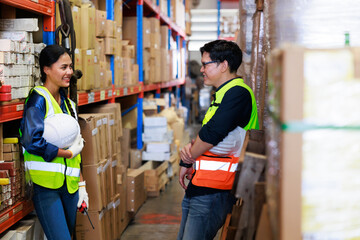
(238, 91)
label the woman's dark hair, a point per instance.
(221, 50)
(48, 56)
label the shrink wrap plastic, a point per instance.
(314, 24)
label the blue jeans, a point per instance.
(56, 210)
(203, 216)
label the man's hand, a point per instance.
(184, 172)
(185, 154)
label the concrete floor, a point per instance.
(159, 217)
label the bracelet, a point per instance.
(187, 165)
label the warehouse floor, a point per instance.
(159, 217)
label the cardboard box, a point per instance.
(95, 186)
(118, 32)
(154, 25)
(125, 147)
(100, 26)
(113, 176)
(76, 15)
(135, 158)
(107, 167)
(87, 80)
(87, 27)
(97, 83)
(118, 12)
(119, 72)
(110, 45)
(91, 151)
(25, 230)
(136, 191)
(130, 119)
(108, 78)
(120, 179)
(303, 79)
(84, 230)
(110, 28)
(116, 217)
(164, 37)
(100, 49)
(78, 59)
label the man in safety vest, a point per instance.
(211, 159)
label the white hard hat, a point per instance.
(61, 130)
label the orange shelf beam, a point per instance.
(15, 213)
(45, 7)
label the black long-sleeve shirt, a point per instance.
(234, 110)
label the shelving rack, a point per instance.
(46, 8)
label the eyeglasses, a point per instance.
(206, 63)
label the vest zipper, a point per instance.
(65, 171)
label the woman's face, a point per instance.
(59, 73)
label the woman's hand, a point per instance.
(77, 146)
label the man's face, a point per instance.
(210, 70)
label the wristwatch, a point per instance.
(187, 165)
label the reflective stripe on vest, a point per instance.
(52, 167)
(215, 171)
(52, 174)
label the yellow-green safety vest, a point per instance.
(52, 174)
(215, 171)
(219, 95)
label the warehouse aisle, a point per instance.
(159, 217)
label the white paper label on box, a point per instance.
(98, 123)
(99, 169)
(117, 203)
(88, 52)
(20, 107)
(114, 163)
(110, 205)
(75, 9)
(77, 51)
(94, 131)
(111, 122)
(106, 165)
(101, 215)
(104, 121)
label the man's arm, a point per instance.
(191, 151)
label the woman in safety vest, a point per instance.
(210, 161)
(58, 187)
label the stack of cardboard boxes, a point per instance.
(156, 56)
(97, 41)
(115, 193)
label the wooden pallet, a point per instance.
(155, 177)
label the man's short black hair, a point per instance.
(221, 50)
